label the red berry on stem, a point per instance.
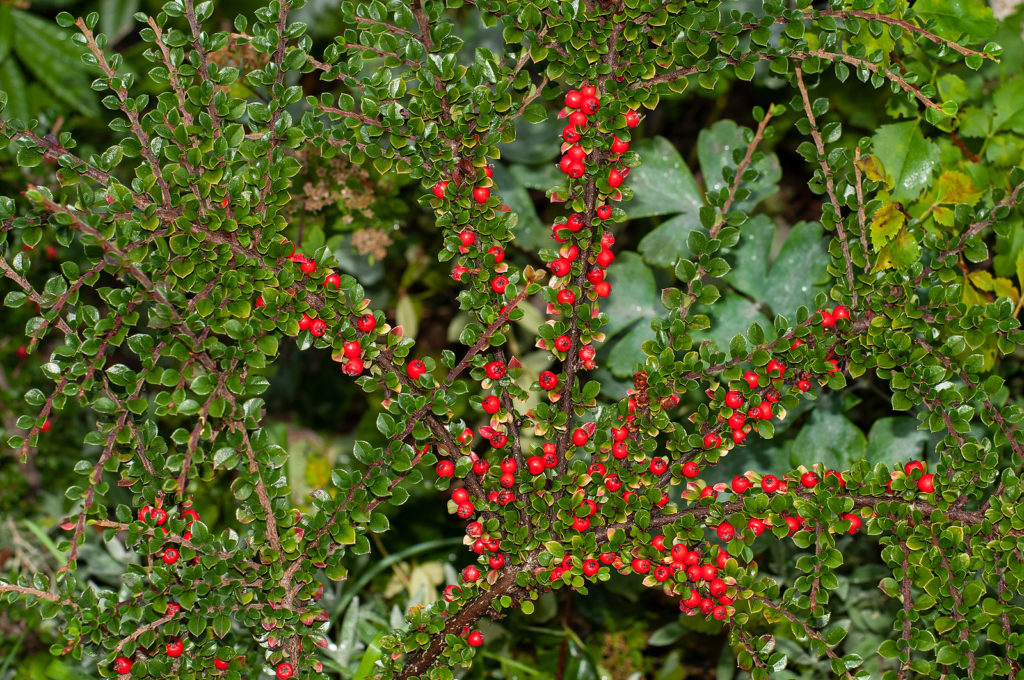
(220, 664)
(740, 484)
(445, 468)
(284, 670)
(475, 639)
(927, 483)
(548, 380)
(855, 522)
(481, 194)
(751, 379)
(122, 665)
(366, 323)
(491, 404)
(573, 99)
(439, 188)
(174, 648)
(604, 211)
(499, 284)
(733, 399)
(332, 279)
(725, 531)
(809, 480)
(415, 368)
(691, 469)
(712, 441)
(614, 178)
(632, 118)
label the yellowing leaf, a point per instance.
(997, 285)
(885, 224)
(956, 187)
(901, 252)
(873, 170)
(1020, 268)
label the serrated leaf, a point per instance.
(907, 156)
(885, 224)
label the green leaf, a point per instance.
(530, 233)
(116, 17)
(1009, 106)
(662, 185)
(45, 50)
(730, 316)
(6, 31)
(12, 82)
(828, 438)
(715, 147)
(907, 156)
(954, 18)
(895, 440)
(633, 303)
(667, 242)
(798, 274)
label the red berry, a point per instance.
(738, 436)
(614, 178)
(491, 404)
(284, 670)
(770, 483)
(793, 523)
(603, 289)
(332, 279)
(548, 380)
(709, 492)
(604, 211)
(496, 561)
(220, 664)
(440, 187)
(481, 194)
(719, 612)
(613, 483)
(578, 118)
(495, 370)
(803, 385)
(691, 469)
(590, 567)
(445, 468)
(535, 464)
(809, 480)
(733, 399)
(596, 468)
(658, 466)
(318, 328)
(632, 118)
(467, 238)
(640, 565)
(712, 441)
(726, 531)
(840, 312)
(306, 322)
(827, 319)
(773, 366)
(566, 296)
(470, 573)
(308, 267)
(123, 665)
(573, 99)
(854, 521)
(170, 555)
(590, 105)
(751, 379)
(415, 369)
(499, 284)
(576, 153)
(756, 525)
(605, 257)
(366, 323)
(560, 266)
(736, 420)
(498, 252)
(575, 169)
(926, 484)
(740, 484)
(913, 465)
(580, 437)
(575, 222)
(837, 475)
(475, 639)
(570, 135)
(619, 146)
(174, 648)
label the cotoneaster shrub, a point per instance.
(190, 288)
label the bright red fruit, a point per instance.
(726, 531)
(751, 379)
(770, 483)
(481, 194)
(632, 118)
(123, 665)
(284, 670)
(548, 380)
(927, 483)
(604, 211)
(415, 369)
(619, 146)
(640, 565)
(174, 648)
(854, 520)
(740, 484)
(439, 188)
(691, 469)
(733, 399)
(220, 664)
(495, 370)
(366, 323)
(170, 555)
(499, 284)
(809, 480)
(614, 178)
(475, 639)
(445, 468)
